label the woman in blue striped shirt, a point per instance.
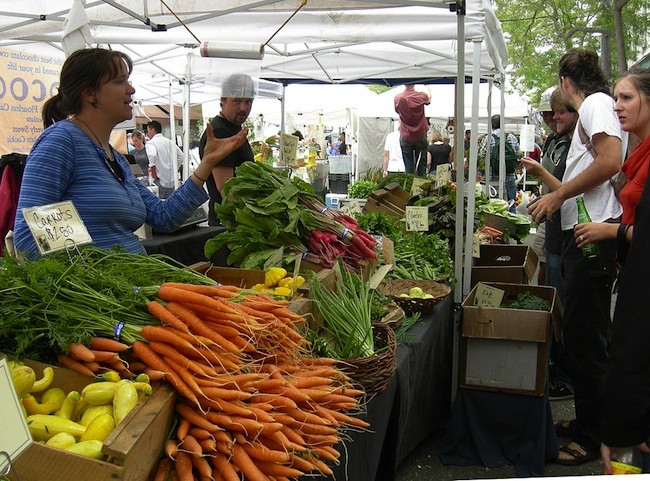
(73, 160)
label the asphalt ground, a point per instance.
(424, 464)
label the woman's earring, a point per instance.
(94, 104)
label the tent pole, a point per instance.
(186, 118)
(459, 7)
(172, 131)
(488, 169)
(471, 184)
(460, 168)
(502, 141)
(282, 106)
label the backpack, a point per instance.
(511, 156)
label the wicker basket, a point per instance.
(411, 305)
(374, 373)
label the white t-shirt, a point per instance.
(392, 146)
(163, 149)
(596, 116)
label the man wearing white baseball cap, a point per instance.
(237, 94)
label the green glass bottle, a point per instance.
(590, 250)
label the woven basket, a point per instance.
(374, 373)
(393, 288)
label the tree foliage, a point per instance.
(538, 32)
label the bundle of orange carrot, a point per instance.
(253, 403)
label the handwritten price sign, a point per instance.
(289, 146)
(488, 296)
(56, 226)
(417, 218)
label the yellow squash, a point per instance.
(91, 412)
(90, 449)
(23, 378)
(126, 397)
(61, 440)
(99, 393)
(44, 426)
(43, 383)
(99, 428)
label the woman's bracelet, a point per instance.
(202, 180)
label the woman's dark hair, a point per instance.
(582, 69)
(83, 69)
(640, 78)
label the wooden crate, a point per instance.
(135, 445)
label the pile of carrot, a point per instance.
(100, 355)
(252, 403)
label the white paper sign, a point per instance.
(14, 434)
(527, 138)
(488, 296)
(56, 226)
(443, 175)
(417, 218)
(352, 208)
(289, 146)
(416, 187)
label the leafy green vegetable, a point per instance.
(529, 301)
(362, 189)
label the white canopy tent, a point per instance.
(327, 41)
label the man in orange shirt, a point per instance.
(413, 128)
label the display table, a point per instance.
(496, 429)
(414, 405)
(185, 246)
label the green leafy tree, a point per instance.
(540, 31)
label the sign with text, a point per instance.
(56, 227)
(14, 434)
(443, 175)
(527, 138)
(488, 296)
(289, 146)
(352, 208)
(417, 218)
(416, 187)
(27, 80)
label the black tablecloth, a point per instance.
(496, 429)
(185, 246)
(414, 405)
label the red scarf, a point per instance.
(635, 169)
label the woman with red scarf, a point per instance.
(632, 95)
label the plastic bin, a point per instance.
(338, 183)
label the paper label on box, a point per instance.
(275, 260)
(476, 247)
(488, 296)
(56, 226)
(417, 218)
(379, 275)
(14, 433)
(416, 187)
(443, 175)
(351, 208)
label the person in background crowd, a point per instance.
(139, 152)
(315, 146)
(438, 152)
(595, 155)
(161, 151)
(237, 95)
(393, 161)
(626, 404)
(413, 128)
(129, 143)
(511, 176)
(466, 142)
(298, 134)
(72, 159)
(340, 145)
(562, 124)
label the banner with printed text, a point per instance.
(27, 80)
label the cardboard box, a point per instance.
(507, 349)
(391, 199)
(513, 264)
(230, 275)
(135, 445)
